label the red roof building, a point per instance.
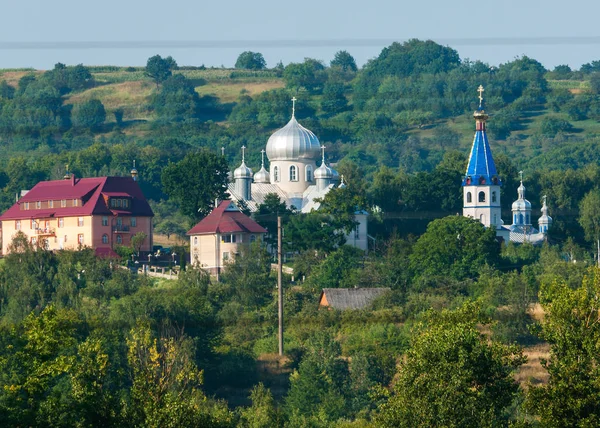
(99, 212)
(217, 237)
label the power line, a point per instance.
(288, 43)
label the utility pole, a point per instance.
(279, 285)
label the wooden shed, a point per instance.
(350, 298)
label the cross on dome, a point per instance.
(521, 176)
(323, 153)
(262, 156)
(222, 151)
(294, 106)
(480, 90)
(134, 164)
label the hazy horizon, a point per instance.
(491, 32)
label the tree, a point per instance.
(159, 69)
(344, 60)
(262, 413)
(595, 83)
(453, 376)
(169, 227)
(334, 101)
(309, 75)
(177, 100)
(90, 114)
(570, 325)
(589, 215)
(6, 91)
(195, 182)
(137, 241)
(251, 61)
(454, 246)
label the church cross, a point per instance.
(134, 164)
(521, 176)
(294, 106)
(222, 151)
(262, 155)
(544, 199)
(323, 153)
(480, 90)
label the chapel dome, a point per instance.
(521, 204)
(262, 176)
(293, 142)
(323, 172)
(242, 171)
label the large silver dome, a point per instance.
(293, 142)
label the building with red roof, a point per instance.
(218, 237)
(97, 212)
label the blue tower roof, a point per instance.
(481, 169)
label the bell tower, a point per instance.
(481, 184)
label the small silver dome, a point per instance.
(323, 172)
(262, 176)
(342, 184)
(242, 171)
(293, 142)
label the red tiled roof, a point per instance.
(88, 190)
(222, 220)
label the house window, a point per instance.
(252, 238)
(481, 196)
(33, 224)
(74, 202)
(493, 196)
(26, 205)
(38, 204)
(119, 202)
(357, 232)
(61, 222)
(133, 222)
(34, 240)
(125, 203)
(469, 198)
(195, 240)
(18, 225)
(119, 239)
(228, 238)
(119, 221)
(293, 173)
(63, 203)
(104, 220)
(309, 173)
(226, 255)
(276, 174)
(80, 239)
(50, 204)
(80, 221)
(105, 239)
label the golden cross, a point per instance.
(480, 90)
(294, 106)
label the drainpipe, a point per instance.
(217, 264)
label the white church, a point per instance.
(481, 192)
(293, 152)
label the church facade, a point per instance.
(481, 192)
(293, 152)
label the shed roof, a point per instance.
(351, 298)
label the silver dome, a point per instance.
(293, 142)
(242, 171)
(323, 172)
(262, 176)
(521, 204)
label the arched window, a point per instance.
(105, 239)
(482, 218)
(520, 218)
(526, 218)
(309, 173)
(195, 240)
(252, 238)
(293, 173)
(469, 198)
(493, 196)
(481, 196)
(276, 173)
(119, 239)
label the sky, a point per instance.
(40, 33)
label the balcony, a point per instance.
(45, 231)
(120, 228)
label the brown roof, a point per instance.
(93, 193)
(351, 298)
(226, 218)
